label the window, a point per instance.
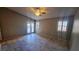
(59, 25)
(62, 26)
(37, 25)
(30, 27)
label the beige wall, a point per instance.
(0, 34)
(47, 28)
(13, 23)
(75, 33)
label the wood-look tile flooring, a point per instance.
(31, 42)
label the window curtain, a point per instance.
(65, 27)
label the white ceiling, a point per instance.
(52, 12)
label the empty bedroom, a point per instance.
(39, 28)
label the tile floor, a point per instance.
(31, 42)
